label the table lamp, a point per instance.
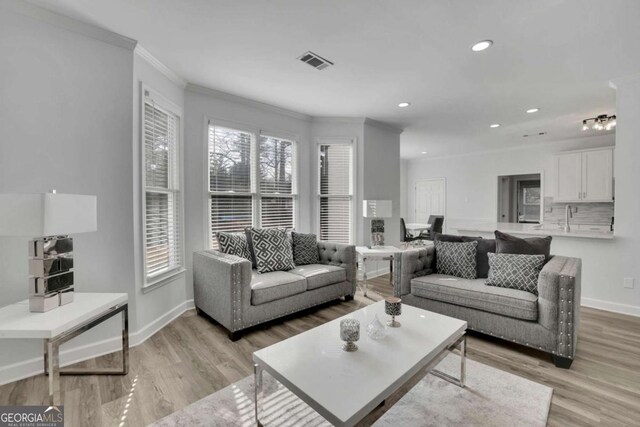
(377, 209)
(48, 219)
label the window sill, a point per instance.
(158, 282)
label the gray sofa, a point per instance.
(230, 292)
(548, 321)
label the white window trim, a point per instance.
(149, 283)
(352, 141)
(255, 178)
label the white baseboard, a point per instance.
(31, 367)
(615, 307)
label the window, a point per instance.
(241, 195)
(162, 190)
(335, 192)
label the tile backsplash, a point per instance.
(588, 213)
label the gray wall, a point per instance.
(65, 115)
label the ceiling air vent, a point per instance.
(315, 60)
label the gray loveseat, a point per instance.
(230, 292)
(548, 321)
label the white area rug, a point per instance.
(491, 398)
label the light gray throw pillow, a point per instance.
(515, 271)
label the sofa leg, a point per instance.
(235, 336)
(562, 362)
(198, 311)
(348, 297)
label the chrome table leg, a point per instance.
(53, 366)
(462, 343)
(259, 393)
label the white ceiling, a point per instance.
(557, 55)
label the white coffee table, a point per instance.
(345, 387)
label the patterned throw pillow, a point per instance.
(272, 248)
(456, 259)
(515, 271)
(234, 244)
(305, 248)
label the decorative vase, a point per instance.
(393, 307)
(376, 329)
(349, 333)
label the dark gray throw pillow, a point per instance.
(305, 248)
(247, 232)
(456, 259)
(272, 247)
(508, 244)
(515, 271)
(233, 244)
(484, 246)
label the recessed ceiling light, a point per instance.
(533, 110)
(480, 46)
(404, 104)
(424, 152)
(495, 125)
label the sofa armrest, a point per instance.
(219, 284)
(559, 301)
(409, 264)
(341, 255)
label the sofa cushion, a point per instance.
(275, 285)
(233, 244)
(456, 259)
(305, 248)
(319, 275)
(515, 271)
(508, 244)
(475, 294)
(272, 248)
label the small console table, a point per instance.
(59, 325)
(383, 253)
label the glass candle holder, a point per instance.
(376, 329)
(393, 307)
(349, 333)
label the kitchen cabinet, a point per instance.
(584, 176)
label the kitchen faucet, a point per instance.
(567, 214)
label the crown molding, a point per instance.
(245, 101)
(70, 24)
(383, 126)
(509, 149)
(158, 65)
(342, 120)
(615, 83)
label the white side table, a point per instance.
(384, 253)
(58, 326)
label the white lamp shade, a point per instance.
(377, 209)
(50, 214)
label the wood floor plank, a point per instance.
(192, 357)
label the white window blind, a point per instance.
(242, 196)
(162, 203)
(336, 192)
(277, 192)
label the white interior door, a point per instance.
(430, 199)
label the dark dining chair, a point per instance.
(435, 222)
(405, 237)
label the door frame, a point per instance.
(415, 198)
(542, 191)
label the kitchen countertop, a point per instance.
(531, 229)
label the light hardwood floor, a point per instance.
(192, 358)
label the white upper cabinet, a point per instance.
(569, 177)
(597, 176)
(585, 176)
